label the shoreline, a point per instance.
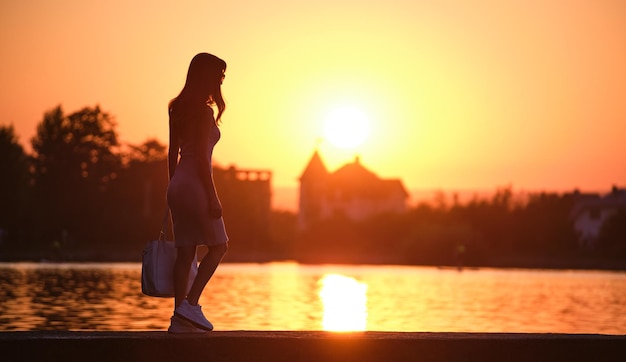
(501, 263)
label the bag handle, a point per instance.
(163, 234)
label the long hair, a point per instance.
(203, 85)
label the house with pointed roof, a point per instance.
(352, 191)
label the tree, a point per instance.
(612, 239)
(13, 183)
(544, 226)
(150, 151)
(74, 162)
(138, 194)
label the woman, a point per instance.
(191, 196)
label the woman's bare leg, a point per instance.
(184, 256)
(205, 271)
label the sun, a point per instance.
(346, 127)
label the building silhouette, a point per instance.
(592, 211)
(246, 199)
(351, 191)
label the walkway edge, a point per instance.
(293, 346)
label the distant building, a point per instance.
(246, 197)
(591, 211)
(352, 191)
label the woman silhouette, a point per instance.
(191, 196)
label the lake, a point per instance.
(291, 296)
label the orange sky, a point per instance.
(460, 94)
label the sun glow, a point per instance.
(345, 303)
(346, 127)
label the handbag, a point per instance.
(157, 265)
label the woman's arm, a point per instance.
(172, 153)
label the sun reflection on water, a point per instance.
(345, 303)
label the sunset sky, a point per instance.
(458, 94)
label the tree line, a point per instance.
(80, 188)
(503, 230)
(82, 194)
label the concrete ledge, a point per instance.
(275, 346)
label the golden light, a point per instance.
(346, 127)
(345, 303)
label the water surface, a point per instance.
(289, 296)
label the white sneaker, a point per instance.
(193, 314)
(179, 325)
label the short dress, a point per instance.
(188, 200)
